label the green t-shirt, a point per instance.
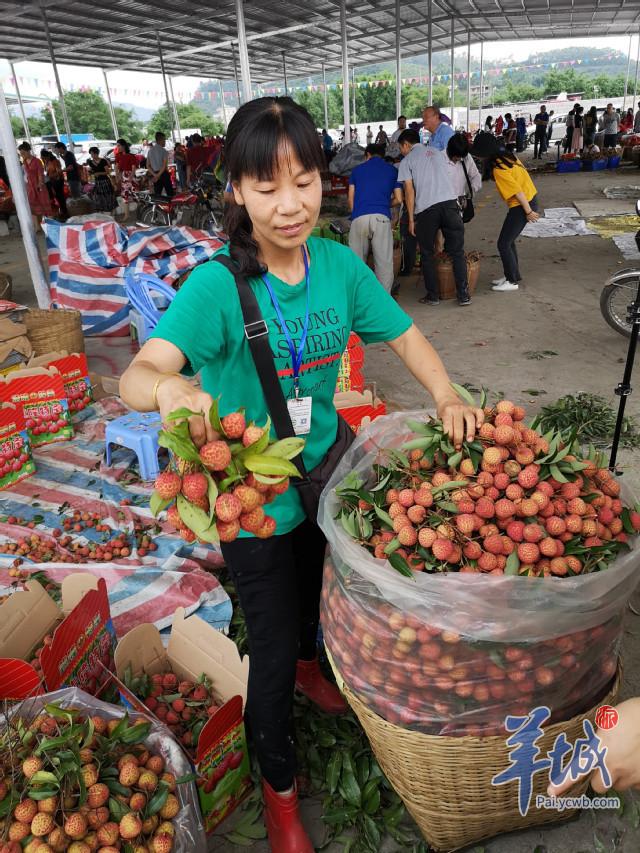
(205, 322)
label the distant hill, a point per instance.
(141, 113)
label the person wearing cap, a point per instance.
(518, 190)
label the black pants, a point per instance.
(409, 246)
(445, 216)
(610, 140)
(278, 582)
(540, 142)
(56, 190)
(511, 229)
(163, 183)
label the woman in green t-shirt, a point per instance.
(301, 283)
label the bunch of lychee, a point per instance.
(183, 705)
(119, 795)
(516, 503)
(239, 496)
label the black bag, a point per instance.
(468, 211)
(310, 483)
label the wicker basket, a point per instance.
(446, 280)
(6, 286)
(445, 782)
(54, 329)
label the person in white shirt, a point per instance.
(369, 135)
(402, 125)
(457, 154)
(432, 204)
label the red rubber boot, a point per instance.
(284, 827)
(311, 682)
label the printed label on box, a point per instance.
(16, 461)
(225, 777)
(44, 404)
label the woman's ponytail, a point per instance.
(243, 249)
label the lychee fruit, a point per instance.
(228, 507)
(504, 508)
(234, 425)
(162, 843)
(130, 826)
(97, 795)
(533, 533)
(228, 531)
(31, 766)
(156, 762)
(108, 834)
(98, 817)
(485, 508)
(504, 435)
(42, 824)
(148, 781)
(442, 549)
(90, 773)
(25, 811)
(252, 434)
(528, 477)
(138, 801)
(416, 514)
(18, 831)
(215, 455)
(577, 506)
(58, 840)
(408, 536)
(465, 523)
(281, 487)
(171, 807)
(528, 552)
(129, 774)
(252, 521)
(169, 681)
(75, 826)
(267, 528)
(195, 486)
(487, 562)
(168, 485)
(248, 497)
(49, 805)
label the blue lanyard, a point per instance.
(296, 354)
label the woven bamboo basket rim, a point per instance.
(445, 782)
(52, 329)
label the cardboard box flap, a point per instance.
(75, 587)
(194, 644)
(9, 329)
(25, 617)
(344, 399)
(31, 371)
(44, 360)
(21, 345)
(141, 649)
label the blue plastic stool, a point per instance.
(137, 431)
(146, 307)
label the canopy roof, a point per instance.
(197, 36)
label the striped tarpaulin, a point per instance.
(88, 262)
(69, 476)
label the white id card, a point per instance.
(300, 413)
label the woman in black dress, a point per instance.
(102, 194)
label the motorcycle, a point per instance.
(620, 292)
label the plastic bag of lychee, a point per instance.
(78, 774)
(464, 585)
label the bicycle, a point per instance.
(619, 293)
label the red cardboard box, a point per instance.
(357, 409)
(74, 369)
(16, 461)
(44, 403)
(82, 638)
(194, 648)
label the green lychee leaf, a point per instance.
(462, 392)
(195, 518)
(210, 534)
(214, 416)
(419, 443)
(181, 414)
(117, 810)
(383, 516)
(157, 504)
(212, 494)
(512, 566)
(269, 481)
(158, 800)
(287, 448)
(392, 546)
(557, 474)
(422, 428)
(270, 466)
(179, 445)
(398, 562)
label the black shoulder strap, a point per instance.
(464, 169)
(257, 333)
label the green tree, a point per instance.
(88, 112)
(17, 127)
(189, 116)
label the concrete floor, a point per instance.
(555, 309)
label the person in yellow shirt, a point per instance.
(519, 192)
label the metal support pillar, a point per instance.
(176, 117)
(19, 189)
(429, 52)
(224, 109)
(353, 96)
(481, 85)
(245, 71)
(166, 87)
(468, 79)
(345, 73)
(235, 72)
(25, 123)
(398, 63)
(114, 123)
(626, 79)
(284, 72)
(453, 82)
(63, 108)
(635, 85)
(326, 101)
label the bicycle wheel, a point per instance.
(154, 215)
(615, 300)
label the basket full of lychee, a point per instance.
(213, 492)
(78, 783)
(513, 560)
